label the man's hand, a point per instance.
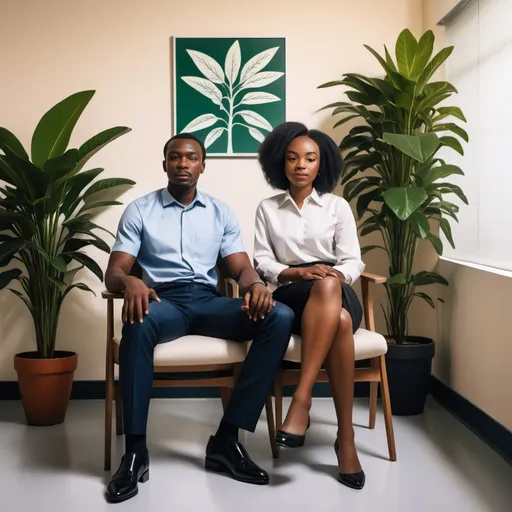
(136, 299)
(316, 272)
(258, 302)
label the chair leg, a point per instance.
(225, 394)
(271, 427)
(386, 404)
(374, 388)
(119, 411)
(278, 394)
(108, 417)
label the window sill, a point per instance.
(478, 266)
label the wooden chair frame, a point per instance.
(225, 383)
(375, 374)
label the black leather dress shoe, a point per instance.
(291, 440)
(353, 480)
(134, 468)
(224, 456)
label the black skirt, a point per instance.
(295, 296)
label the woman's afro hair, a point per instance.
(272, 156)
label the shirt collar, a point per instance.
(314, 197)
(168, 200)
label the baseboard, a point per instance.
(488, 429)
(95, 390)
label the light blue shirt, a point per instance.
(173, 242)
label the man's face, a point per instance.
(183, 163)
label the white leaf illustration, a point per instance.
(210, 68)
(213, 136)
(257, 63)
(257, 98)
(205, 87)
(233, 60)
(200, 123)
(261, 79)
(256, 134)
(255, 119)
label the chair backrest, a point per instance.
(222, 272)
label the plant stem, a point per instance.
(230, 121)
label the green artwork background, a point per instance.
(190, 103)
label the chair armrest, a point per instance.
(105, 294)
(232, 288)
(373, 278)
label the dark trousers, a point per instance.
(188, 308)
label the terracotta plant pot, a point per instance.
(45, 385)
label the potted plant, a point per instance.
(405, 125)
(47, 203)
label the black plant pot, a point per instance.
(409, 368)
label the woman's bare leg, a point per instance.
(320, 321)
(340, 367)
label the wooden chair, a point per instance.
(369, 345)
(209, 362)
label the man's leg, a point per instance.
(164, 322)
(223, 318)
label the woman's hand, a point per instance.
(316, 272)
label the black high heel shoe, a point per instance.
(353, 480)
(291, 440)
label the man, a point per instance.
(176, 234)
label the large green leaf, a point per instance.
(89, 148)
(367, 248)
(76, 186)
(423, 53)
(424, 278)
(419, 224)
(7, 276)
(60, 166)
(106, 184)
(451, 111)
(364, 201)
(9, 140)
(447, 230)
(98, 204)
(404, 201)
(75, 244)
(420, 147)
(449, 188)
(397, 279)
(88, 262)
(442, 171)
(453, 143)
(35, 181)
(9, 219)
(452, 127)
(405, 51)
(9, 249)
(426, 298)
(52, 134)
(436, 243)
(432, 67)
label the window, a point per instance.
(480, 67)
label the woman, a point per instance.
(306, 244)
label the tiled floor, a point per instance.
(441, 465)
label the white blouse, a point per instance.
(324, 230)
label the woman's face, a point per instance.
(302, 162)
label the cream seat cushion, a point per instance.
(197, 350)
(368, 344)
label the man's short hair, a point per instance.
(186, 136)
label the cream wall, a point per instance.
(121, 49)
(474, 340)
